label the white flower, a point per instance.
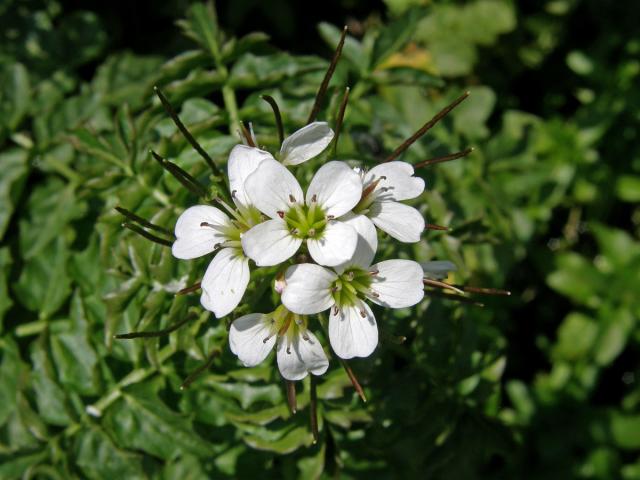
(334, 190)
(306, 143)
(384, 187)
(352, 326)
(299, 352)
(203, 229)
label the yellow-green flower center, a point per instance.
(352, 284)
(306, 221)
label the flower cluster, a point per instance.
(324, 239)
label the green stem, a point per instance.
(231, 106)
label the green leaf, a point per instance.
(50, 397)
(99, 458)
(576, 278)
(16, 466)
(576, 337)
(625, 430)
(14, 173)
(74, 355)
(15, 95)
(628, 188)
(395, 35)
(11, 371)
(35, 288)
(51, 207)
(289, 442)
(352, 50)
(471, 116)
(235, 48)
(252, 71)
(90, 143)
(201, 25)
(145, 423)
(5, 299)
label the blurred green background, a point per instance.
(543, 384)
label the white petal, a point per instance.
(305, 143)
(225, 281)
(271, 188)
(336, 187)
(367, 241)
(194, 240)
(399, 180)
(243, 161)
(398, 283)
(351, 334)
(297, 357)
(438, 269)
(308, 288)
(247, 338)
(270, 243)
(401, 221)
(336, 244)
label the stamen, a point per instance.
(280, 213)
(265, 340)
(305, 336)
(233, 193)
(371, 187)
(374, 272)
(350, 275)
(311, 232)
(288, 349)
(336, 310)
(363, 314)
(247, 135)
(374, 294)
(292, 199)
(294, 231)
(330, 217)
(314, 198)
(253, 135)
(426, 127)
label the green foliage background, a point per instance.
(542, 384)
